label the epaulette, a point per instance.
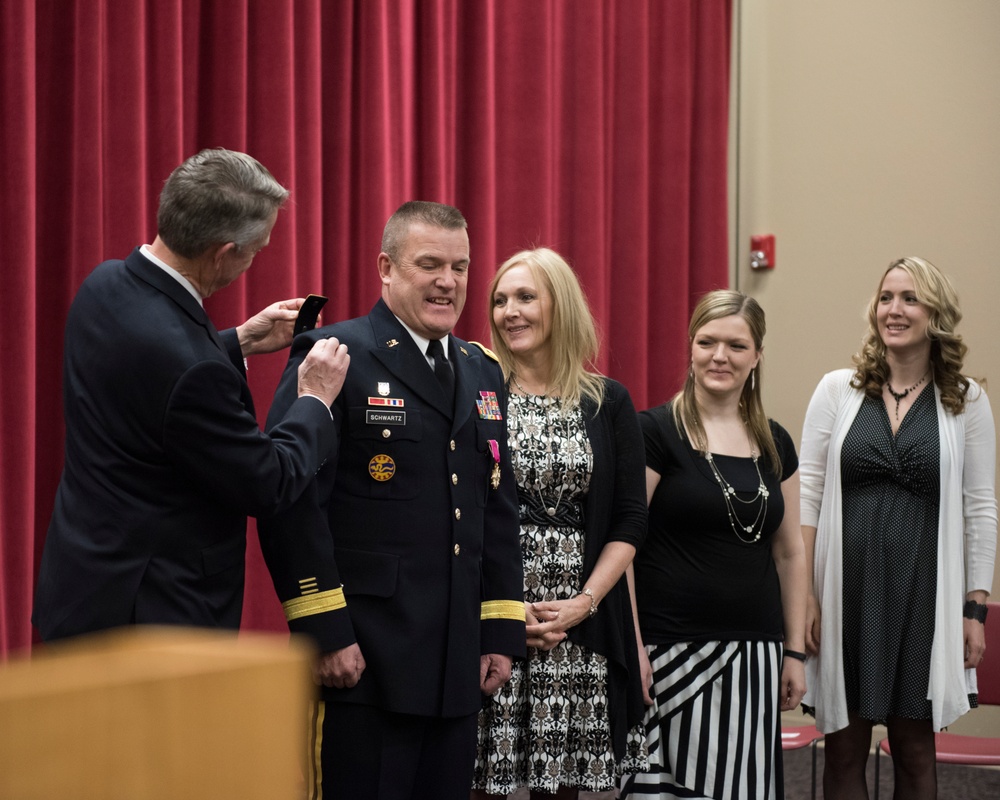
(486, 350)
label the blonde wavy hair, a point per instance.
(573, 338)
(935, 291)
(712, 306)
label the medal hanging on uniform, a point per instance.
(495, 475)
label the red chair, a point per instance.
(953, 748)
(797, 736)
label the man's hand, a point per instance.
(494, 672)
(271, 329)
(323, 370)
(340, 669)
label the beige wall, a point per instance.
(864, 130)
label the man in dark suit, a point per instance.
(164, 456)
(402, 559)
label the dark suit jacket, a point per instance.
(164, 461)
(402, 544)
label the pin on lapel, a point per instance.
(392, 342)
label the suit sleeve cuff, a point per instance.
(231, 340)
(323, 617)
(502, 626)
(502, 609)
(310, 604)
(317, 397)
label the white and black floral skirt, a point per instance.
(549, 725)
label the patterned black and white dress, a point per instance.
(891, 488)
(549, 725)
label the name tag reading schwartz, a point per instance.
(385, 417)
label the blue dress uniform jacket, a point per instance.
(164, 461)
(403, 544)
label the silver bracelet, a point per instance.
(593, 602)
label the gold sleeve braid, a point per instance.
(502, 609)
(314, 604)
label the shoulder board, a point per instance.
(486, 350)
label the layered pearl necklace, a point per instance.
(729, 494)
(756, 528)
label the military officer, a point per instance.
(402, 559)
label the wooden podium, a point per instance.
(156, 713)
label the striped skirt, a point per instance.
(714, 729)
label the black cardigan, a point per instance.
(615, 510)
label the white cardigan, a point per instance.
(966, 546)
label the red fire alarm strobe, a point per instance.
(762, 251)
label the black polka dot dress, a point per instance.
(890, 509)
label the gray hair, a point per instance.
(215, 197)
(415, 212)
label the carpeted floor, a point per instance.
(954, 782)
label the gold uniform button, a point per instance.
(458, 513)
(452, 445)
(458, 549)
(454, 479)
(386, 433)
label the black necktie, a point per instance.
(442, 369)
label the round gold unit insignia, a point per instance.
(381, 467)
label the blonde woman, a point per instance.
(720, 581)
(899, 518)
(563, 722)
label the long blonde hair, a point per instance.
(573, 338)
(935, 291)
(716, 305)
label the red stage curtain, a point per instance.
(593, 127)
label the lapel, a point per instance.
(149, 273)
(465, 358)
(396, 350)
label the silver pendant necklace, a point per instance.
(524, 391)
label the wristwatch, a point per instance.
(974, 610)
